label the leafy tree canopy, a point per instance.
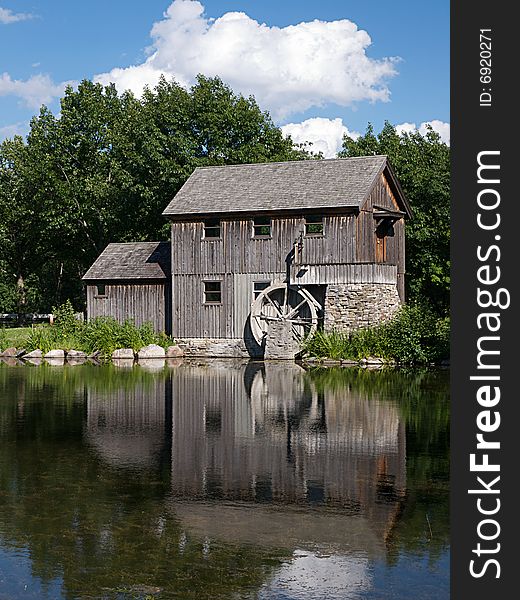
(422, 165)
(104, 170)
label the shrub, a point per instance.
(106, 334)
(43, 337)
(65, 320)
(103, 334)
(414, 335)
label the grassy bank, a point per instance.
(103, 334)
(13, 337)
(413, 336)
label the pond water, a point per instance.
(223, 480)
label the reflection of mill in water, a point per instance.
(266, 434)
(242, 439)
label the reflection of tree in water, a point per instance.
(422, 398)
(99, 527)
(285, 452)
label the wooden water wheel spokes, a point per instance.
(282, 302)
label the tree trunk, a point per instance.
(21, 299)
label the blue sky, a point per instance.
(317, 78)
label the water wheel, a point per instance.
(283, 302)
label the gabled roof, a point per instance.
(136, 260)
(283, 186)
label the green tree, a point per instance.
(105, 169)
(422, 165)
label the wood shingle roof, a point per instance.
(271, 187)
(136, 260)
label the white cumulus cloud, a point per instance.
(441, 127)
(9, 131)
(8, 16)
(288, 69)
(325, 135)
(35, 91)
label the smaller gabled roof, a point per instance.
(135, 260)
(283, 186)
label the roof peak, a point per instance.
(293, 162)
(338, 183)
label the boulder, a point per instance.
(123, 363)
(153, 364)
(9, 352)
(33, 361)
(10, 361)
(151, 351)
(55, 361)
(55, 354)
(76, 354)
(374, 360)
(174, 352)
(174, 362)
(74, 362)
(34, 354)
(123, 353)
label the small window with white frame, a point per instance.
(259, 287)
(262, 227)
(211, 229)
(212, 292)
(314, 225)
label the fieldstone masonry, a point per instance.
(280, 343)
(215, 347)
(347, 307)
(359, 305)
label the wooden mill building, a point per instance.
(273, 250)
(132, 281)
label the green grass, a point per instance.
(413, 336)
(15, 337)
(103, 334)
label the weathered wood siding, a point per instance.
(394, 251)
(143, 302)
(356, 273)
(234, 428)
(193, 318)
(238, 252)
(345, 253)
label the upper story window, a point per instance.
(261, 227)
(212, 292)
(211, 229)
(313, 225)
(101, 290)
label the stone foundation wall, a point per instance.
(354, 306)
(219, 348)
(280, 343)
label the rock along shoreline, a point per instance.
(76, 357)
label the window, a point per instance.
(313, 225)
(101, 290)
(212, 292)
(259, 286)
(262, 227)
(212, 229)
